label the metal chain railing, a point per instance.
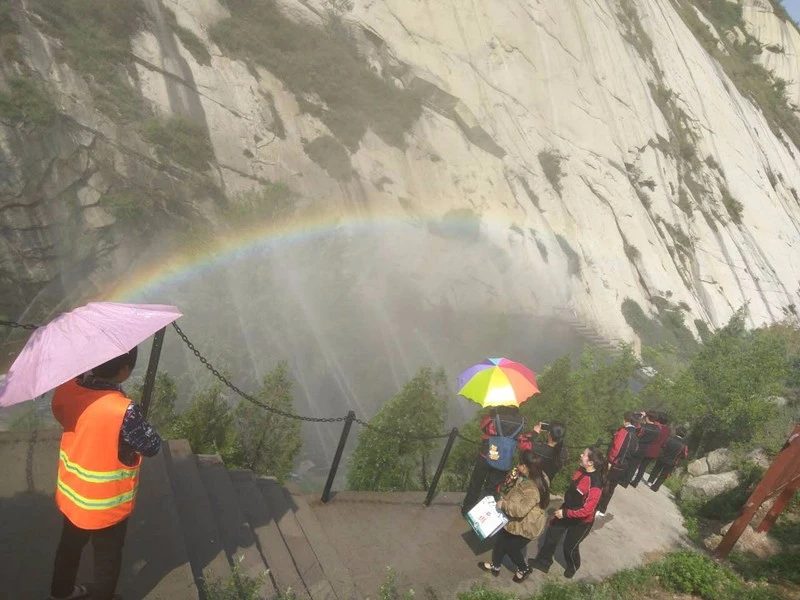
(15, 325)
(227, 382)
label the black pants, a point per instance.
(508, 544)
(615, 477)
(659, 474)
(640, 469)
(484, 481)
(573, 532)
(107, 544)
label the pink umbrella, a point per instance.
(77, 341)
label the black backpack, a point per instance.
(629, 448)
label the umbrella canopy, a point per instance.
(78, 341)
(498, 382)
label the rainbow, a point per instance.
(227, 247)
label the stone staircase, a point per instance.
(194, 519)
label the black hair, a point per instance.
(536, 474)
(599, 461)
(680, 431)
(629, 417)
(557, 431)
(111, 368)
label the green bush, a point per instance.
(689, 572)
(732, 205)
(635, 34)
(318, 63)
(96, 36)
(751, 79)
(26, 102)
(665, 332)
(728, 505)
(781, 568)
(128, 205)
(484, 593)
(551, 165)
(7, 23)
(724, 14)
(389, 591)
(273, 200)
(238, 586)
(329, 154)
(573, 259)
(189, 39)
(181, 140)
(631, 251)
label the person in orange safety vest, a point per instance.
(105, 436)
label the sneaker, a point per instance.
(569, 573)
(599, 514)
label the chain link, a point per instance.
(466, 439)
(15, 325)
(245, 395)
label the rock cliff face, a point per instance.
(621, 149)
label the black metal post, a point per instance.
(440, 469)
(326, 493)
(152, 369)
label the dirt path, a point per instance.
(435, 548)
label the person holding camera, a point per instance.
(552, 451)
(525, 503)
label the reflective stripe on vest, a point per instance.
(94, 503)
(97, 476)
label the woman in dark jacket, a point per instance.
(574, 519)
(525, 503)
(485, 479)
(552, 451)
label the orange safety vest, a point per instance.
(94, 490)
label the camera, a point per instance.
(544, 426)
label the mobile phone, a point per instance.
(544, 426)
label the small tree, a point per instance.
(395, 461)
(723, 394)
(208, 424)
(161, 413)
(269, 443)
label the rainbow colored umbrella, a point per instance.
(498, 382)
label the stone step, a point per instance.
(237, 537)
(155, 561)
(201, 536)
(30, 523)
(332, 566)
(281, 505)
(268, 537)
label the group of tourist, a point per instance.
(523, 493)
